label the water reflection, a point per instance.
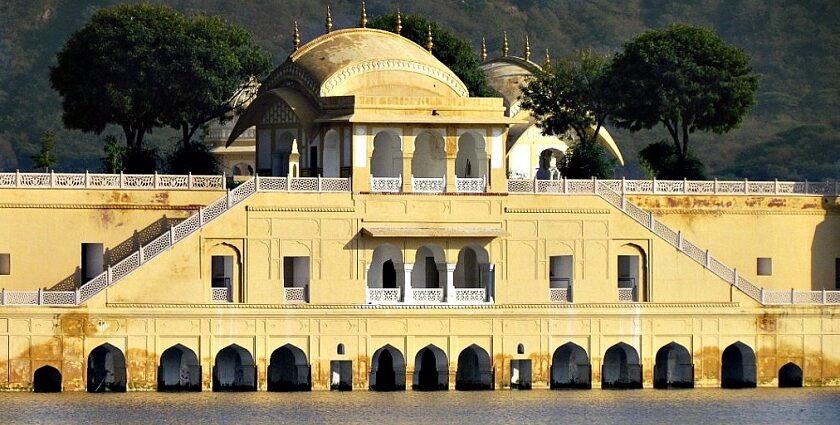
(714, 406)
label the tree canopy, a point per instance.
(456, 53)
(141, 66)
(685, 78)
(573, 95)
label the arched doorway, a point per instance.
(549, 164)
(429, 160)
(46, 379)
(387, 157)
(738, 367)
(106, 369)
(288, 370)
(179, 370)
(475, 371)
(621, 369)
(242, 169)
(472, 271)
(632, 272)
(428, 276)
(386, 271)
(790, 376)
(280, 154)
(331, 167)
(387, 370)
(471, 161)
(234, 370)
(431, 370)
(673, 368)
(570, 367)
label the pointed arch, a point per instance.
(570, 367)
(475, 370)
(621, 368)
(471, 160)
(179, 370)
(387, 156)
(429, 269)
(387, 369)
(46, 379)
(472, 269)
(790, 376)
(738, 366)
(673, 368)
(234, 370)
(106, 369)
(431, 369)
(289, 370)
(331, 161)
(429, 159)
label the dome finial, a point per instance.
(429, 43)
(527, 53)
(547, 59)
(296, 37)
(363, 20)
(483, 50)
(504, 44)
(399, 22)
(328, 22)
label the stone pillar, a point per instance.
(495, 147)
(408, 155)
(450, 283)
(408, 297)
(451, 144)
(361, 150)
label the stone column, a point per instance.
(361, 149)
(451, 145)
(450, 283)
(408, 296)
(495, 148)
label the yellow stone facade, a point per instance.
(435, 273)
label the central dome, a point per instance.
(367, 62)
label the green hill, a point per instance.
(791, 133)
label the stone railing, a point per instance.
(156, 181)
(296, 294)
(470, 185)
(383, 295)
(39, 297)
(680, 187)
(559, 295)
(605, 190)
(221, 295)
(470, 295)
(427, 295)
(627, 295)
(303, 184)
(386, 184)
(428, 184)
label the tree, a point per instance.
(454, 52)
(574, 96)
(46, 158)
(685, 78)
(143, 66)
(193, 157)
(114, 155)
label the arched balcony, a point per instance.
(473, 276)
(386, 163)
(386, 276)
(428, 166)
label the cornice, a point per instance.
(301, 209)
(101, 206)
(512, 210)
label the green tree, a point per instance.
(114, 155)
(46, 158)
(454, 52)
(574, 96)
(685, 78)
(193, 157)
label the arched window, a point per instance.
(331, 165)
(339, 349)
(429, 160)
(632, 272)
(387, 158)
(520, 349)
(471, 161)
(429, 268)
(550, 161)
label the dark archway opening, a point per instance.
(234, 370)
(179, 370)
(474, 370)
(621, 368)
(790, 376)
(673, 368)
(389, 275)
(106, 370)
(47, 379)
(387, 370)
(431, 370)
(288, 370)
(738, 367)
(570, 368)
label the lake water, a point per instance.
(710, 406)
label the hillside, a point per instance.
(790, 134)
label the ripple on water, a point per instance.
(712, 406)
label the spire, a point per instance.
(527, 53)
(328, 22)
(504, 45)
(483, 50)
(429, 43)
(363, 20)
(296, 37)
(547, 59)
(399, 22)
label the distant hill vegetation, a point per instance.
(792, 133)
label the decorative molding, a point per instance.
(443, 306)
(724, 211)
(291, 71)
(512, 210)
(302, 209)
(372, 65)
(104, 207)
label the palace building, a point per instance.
(391, 232)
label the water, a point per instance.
(698, 406)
